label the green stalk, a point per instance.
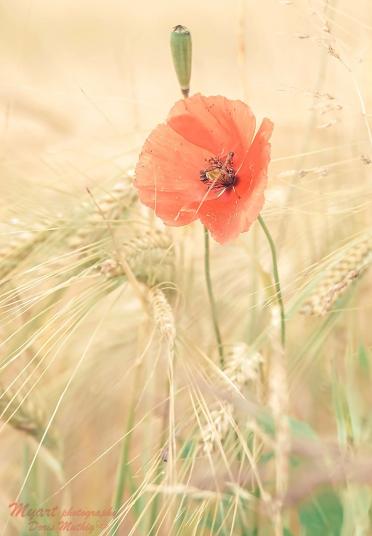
(122, 473)
(123, 469)
(30, 494)
(211, 296)
(278, 291)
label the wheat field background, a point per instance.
(112, 396)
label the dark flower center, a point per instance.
(220, 175)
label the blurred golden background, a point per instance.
(82, 85)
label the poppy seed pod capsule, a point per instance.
(181, 53)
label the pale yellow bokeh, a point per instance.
(82, 84)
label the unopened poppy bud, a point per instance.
(181, 53)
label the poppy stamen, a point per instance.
(220, 175)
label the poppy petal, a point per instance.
(167, 176)
(256, 158)
(199, 135)
(214, 123)
(169, 163)
(234, 212)
(173, 209)
(227, 219)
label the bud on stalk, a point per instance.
(181, 49)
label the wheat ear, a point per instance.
(109, 207)
(241, 368)
(25, 415)
(353, 263)
(19, 249)
(148, 256)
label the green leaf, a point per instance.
(363, 358)
(322, 516)
(301, 429)
(188, 449)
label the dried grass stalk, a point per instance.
(278, 401)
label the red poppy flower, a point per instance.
(206, 163)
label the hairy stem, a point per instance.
(278, 291)
(211, 296)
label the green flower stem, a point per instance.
(278, 291)
(211, 296)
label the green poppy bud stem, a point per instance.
(181, 49)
